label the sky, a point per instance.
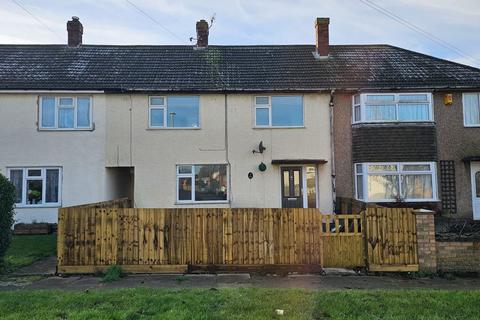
(454, 22)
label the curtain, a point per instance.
(472, 109)
(380, 112)
(417, 186)
(16, 177)
(65, 117)
(413, 112)
(48, 112)
(382, 187)
(83, 112)
(51, 192)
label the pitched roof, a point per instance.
(230, 68)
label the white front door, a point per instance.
(475, 167)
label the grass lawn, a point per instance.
(27, 249)
(242, 303)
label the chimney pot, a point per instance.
(75, 32)
(202, 34)
(323, 42)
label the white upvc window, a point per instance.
(37, 187)
(180, 112)
(202, 183)
(471, 109)
(65, 113)
(278, 111)
(396, 181)
(392, 107)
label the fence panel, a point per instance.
(155, 240)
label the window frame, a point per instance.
(463, 109)
(43, 178)
(165, 113)
(400, 173)
(191, 175)
(58, 107)
(363, 100)
(269, 106)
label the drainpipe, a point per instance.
(332, 148)
(227, 159)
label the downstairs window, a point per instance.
(202, 183)
(391, 182)
(36, 187)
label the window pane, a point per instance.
(296, 183)
(158, 101)
(382, 167)
(413, 98)
(65, 117)
(35, 173)
(51, 192)
(48, 112)
(418, 186)
(286, 183)
(359, 168)
(157, 117)
(382, 187)
(83, 112)
(359, 187)
(183, 112)
(416, 167)
(311, 177)
(184, 189)
(210, 182)
(261, 117)
(413, 112)
(261, 100)
(472, 109)
(287, 111)
(16, 177)
(356, 99)
(380, 98)
(380, 112)
(66, 101)
(184, 169)
(477, 183)
(34, 191)
(358, 113)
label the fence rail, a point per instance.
(155, 240)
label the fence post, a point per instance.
(427, 251)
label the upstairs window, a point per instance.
(174, 112)
(36, 187)
(65, 113)
(471, 109)
(279, 111)
(386, 107)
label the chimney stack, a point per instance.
(75, 32)
(323, 42)
(202, 34)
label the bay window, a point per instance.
(174, 112)
(471, 109)
(390, 107)
(36, 187)
(391, 182)
(65, 113)
(202, 183)
(279, 111)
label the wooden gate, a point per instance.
(391, 239)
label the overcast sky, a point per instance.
(456, 22)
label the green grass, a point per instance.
(242, 303)
(27, 249)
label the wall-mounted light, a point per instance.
(448, 99)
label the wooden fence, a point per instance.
(91, 238)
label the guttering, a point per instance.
(52, 91)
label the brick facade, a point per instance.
(458, 256)
(427, 257)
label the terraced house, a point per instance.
(237, 126)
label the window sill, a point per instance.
(32, 206)
(471, 125)
(66, 129)
(200, 202)
(186, 128)
(394, 122)
(280, 127)
(403, 201)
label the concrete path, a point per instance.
(44, 267)
(327, 282)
